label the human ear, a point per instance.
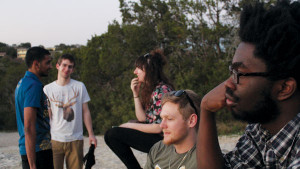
(36, 64)
(193, 120)
(57, 66)
(286, 88)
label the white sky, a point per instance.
(51, 22)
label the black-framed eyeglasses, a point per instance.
(236, 75)
(179, 93)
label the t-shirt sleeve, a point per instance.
(46, 91)
(33, 96)
(85, 94)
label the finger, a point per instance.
(95, 143)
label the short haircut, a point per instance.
(275, 33)
(35, 53)
(185, 108)
(66, 56)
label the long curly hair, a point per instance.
(152, 63)
(275, 33)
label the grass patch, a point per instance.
(231, 127)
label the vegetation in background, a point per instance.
(198, 37)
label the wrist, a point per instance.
(135, 96)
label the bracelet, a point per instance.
(135, 96)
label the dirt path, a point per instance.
(105, 158)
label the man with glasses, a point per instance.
(263, 90)
(180, 121)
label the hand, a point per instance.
(93, 140)
(214, 100)
(135, 86)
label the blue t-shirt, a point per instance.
(29, 93)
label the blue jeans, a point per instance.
(44, 160)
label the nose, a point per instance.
(135, 71)
(163, 124)
(229, 83)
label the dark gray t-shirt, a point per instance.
(163, 156)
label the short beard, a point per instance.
(169, 142)
(265, 110)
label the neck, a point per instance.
(288, 110)
(34, 72)
(186, 144)
(63, 81)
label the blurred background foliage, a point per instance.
(198, 37)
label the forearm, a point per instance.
(88, 123)
(209, 155)
(139, 111)
(146, 128)
(30, 135)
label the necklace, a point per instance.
(182, 158)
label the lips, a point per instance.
(230, 101)
(166, 133)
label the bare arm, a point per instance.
(209, 155)
(30, 134)
(139, 111)
(147, 128)
(88, 123)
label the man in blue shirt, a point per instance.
(31, 112)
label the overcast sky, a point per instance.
(51, 22)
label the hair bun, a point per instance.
(157, 56)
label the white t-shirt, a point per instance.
(66, 107)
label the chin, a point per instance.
(168, 141)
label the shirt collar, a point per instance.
(281, 143)
(32, 75)
(284, 140)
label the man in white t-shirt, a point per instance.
(68, 107)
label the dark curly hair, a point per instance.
(275, 33)
(152, 63)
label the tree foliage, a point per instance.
(198, 37)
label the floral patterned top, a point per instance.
(153, 111)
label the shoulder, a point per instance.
(76, 82)
(49, 85)
(163, 87)
(31, 84)
(159, 148)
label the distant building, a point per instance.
(21, 53)
(2, 54)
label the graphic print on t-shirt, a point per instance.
(68, 113)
